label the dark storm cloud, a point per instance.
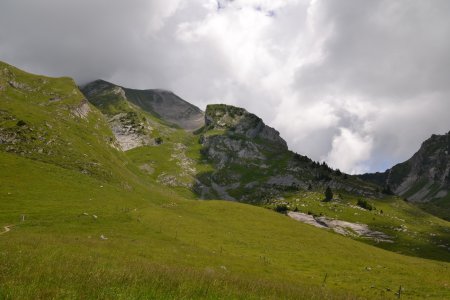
(383, 48)
(369, 78)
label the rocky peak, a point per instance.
(423, 177)
(97, 87)
(238, 121)
(432, 161)
(163, 104)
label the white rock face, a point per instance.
(342, 227)
(82, 111)
(126, 135)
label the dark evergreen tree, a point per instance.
(328, 194)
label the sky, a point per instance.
(358, 84)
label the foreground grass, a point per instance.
(161, 246)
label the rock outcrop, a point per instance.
(241, 122)
(422, 178)
(252, 162)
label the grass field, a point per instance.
(162, 246)
(414, 231)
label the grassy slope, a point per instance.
(439, 207)
(52, 131)
(160, 245)
(415, 232)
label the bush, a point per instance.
(328, 195)
(21, 123)
(281, 208)
(364, 204)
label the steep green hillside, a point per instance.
(83, 219)
(49, 120)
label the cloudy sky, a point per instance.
(359, 84)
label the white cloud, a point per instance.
(349, 151)
(159, 11)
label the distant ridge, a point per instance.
(161, 103)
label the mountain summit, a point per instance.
(161, 103)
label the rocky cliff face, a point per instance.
(425, 176)
(241, 122)
(252, 162)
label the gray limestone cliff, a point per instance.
(423, 177)
(252, 162)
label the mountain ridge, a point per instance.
(154, 101)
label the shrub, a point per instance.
(364, 204)
(281, 208)
(21, 123)
(328, 194)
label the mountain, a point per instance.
(249, 160)
(85, 214)
(161, 103)
(424, 178)
(253, 164)
(124, 109)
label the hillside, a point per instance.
(424, 178)
(86, 219)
